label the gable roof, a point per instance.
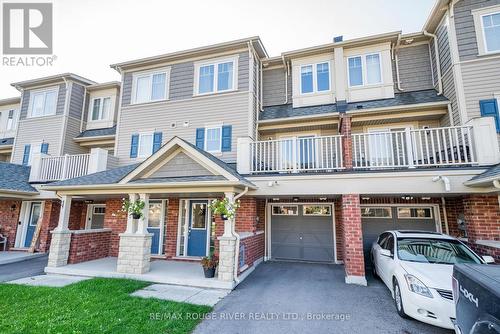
(15, 179)
(486, 178)
(109, 176)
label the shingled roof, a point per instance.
(15, 178)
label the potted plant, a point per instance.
(209, 264)
(224, 208)
(133, 208)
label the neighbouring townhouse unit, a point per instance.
(324, 148)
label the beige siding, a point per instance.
(37, 130)
(72, 130)
(227, 109)
(181, 165)
(414, 68)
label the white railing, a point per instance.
(62, 167)
(296, 154)
(447, 146)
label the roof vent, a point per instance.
(338, 39)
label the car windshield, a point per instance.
(434, 251)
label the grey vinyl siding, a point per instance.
(415, 71)
(450, 92)
(76, 101)
(181, 165)
(72, 130)
(182, 80)
(274, 87)
(61, 99)
(40, 129)
(464, 25)
(85, 115)
(229, 109)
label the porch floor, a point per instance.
(17, 256)
(161, 271)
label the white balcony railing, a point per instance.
(447, 146)
(296, 154)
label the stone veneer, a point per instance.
(134, 255)
(226, 258)
(59, 248)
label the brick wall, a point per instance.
(254, 248)
(170, 245)
(9, 218)
(246, 217)
(482, 216)
(89, 246)
(345, 131)
(261, 213)
(116, 220)
(50, 219)
(77, 215)
(352, 235)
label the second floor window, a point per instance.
(10, 120)
(314, 78)
(150, 87)
(491, 29)
(216, 77)
(43, 103)
(213, 139)
(145, 144)
(365, 70)
(101, 108)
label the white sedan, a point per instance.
(417, 268)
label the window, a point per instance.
(365, 70)
(315, 78)
(440, 251)
(150, 87)
(101, 108)
(491, 32)
(285, 210)
(376, 212)
(213, 139)
(216, 77)
(389, 244)
(415, 213)
(145, 144)
(10, 120)
(317, 210)
(43, 103)
(99, 210)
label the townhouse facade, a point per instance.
(325, 148)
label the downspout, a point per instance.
(265, 230)
(237, 253)
(83, 107)
(261, 90)
(286, 79)
(443, 203)
(450, 115)
(395, 53)
(438, 64)
(445, 180)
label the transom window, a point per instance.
(365, 70)
(216, 77)
(285, 210)
(376, 212)
(145, 144)
(101, 108)
(317, 210)
(213, 141)
(415, 213)
(315, 78)
(43, 103)
(150, 87)
(491, 31)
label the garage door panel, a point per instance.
(318, 254)
(286, 251)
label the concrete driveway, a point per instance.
(28, 267)
(282, 297)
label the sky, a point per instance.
(89, 35)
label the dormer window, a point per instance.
(101, 107)
(314, 78)
(216, 76)
(364, 70)
(43, 102)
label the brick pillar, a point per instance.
(170, 246)
(352, 237)
(345, 131)
(49, 221)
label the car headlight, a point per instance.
(415, 285)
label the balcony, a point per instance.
(469, 145)
(46, 168)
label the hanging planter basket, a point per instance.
(136, 215)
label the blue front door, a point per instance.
(154, 225)
(197, 229)
(35, 210)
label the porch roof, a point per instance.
(486, 178)
(6, 142)
(15, 179)
(98, 132)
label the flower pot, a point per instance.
(223, 217)
(209, 272)
(136, 215)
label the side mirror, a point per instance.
(488, 259)
(385, 252)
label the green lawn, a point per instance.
(92, 306)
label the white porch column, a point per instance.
(98, 160)
(131, 222)
(134, 252)
(61, 236)
(485, 142)
(227, 247)
(243, 156)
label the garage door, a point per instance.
(378, 219)
(302, 232)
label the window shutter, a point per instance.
(26, 154)
(200, 138)
(226, 138)
(134, 146)
(156, 141)
(490, 108)
(44, 148)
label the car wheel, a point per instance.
(398, 300)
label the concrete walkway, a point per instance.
(26, 268)
(184, 294)
(57, 281)
(290, 298)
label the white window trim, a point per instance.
(315, 78)
(478, 15)
(415, 207)
(376, 207)
(141, 134)
(364, 73)
(101, 108)
(215, 62)
(42, 90)
(314, 215)
(90, 213)
(281, 214)
(150, 74)
(211, 127)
